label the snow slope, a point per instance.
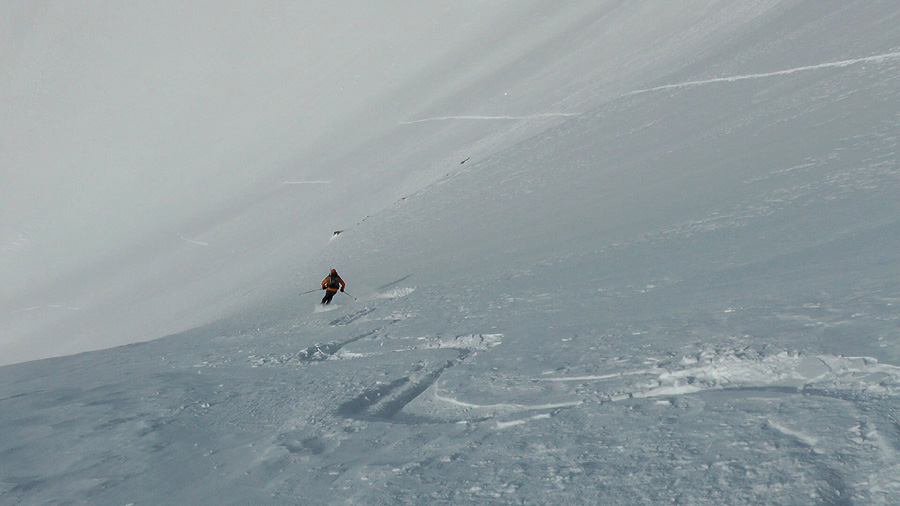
(154, 155)
(684, 294)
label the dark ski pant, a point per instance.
(329, 294)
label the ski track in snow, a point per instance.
(595, 377)
(199, 243)
(800, 437)
(50, 306)
(491, 118)
(504, 406)
(687, 84)
(840, 377)
(826, 375)
(386, 400)
(807, 68)
(513, 423)
(784, 373)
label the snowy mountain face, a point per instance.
(166, 166)
(666, 273)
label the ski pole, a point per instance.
(311, 291)
(347, 294)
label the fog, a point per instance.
(147, 150)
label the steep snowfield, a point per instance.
(667, 274)
(154, 155)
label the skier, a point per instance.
(330, 284)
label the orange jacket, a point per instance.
(332, 287)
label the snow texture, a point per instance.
(667, 272)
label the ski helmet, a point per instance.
(334, 271)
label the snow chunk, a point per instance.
(471, 342)
(397, 293)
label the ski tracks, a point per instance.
(385, 400)
(789, 392)
(315, 353)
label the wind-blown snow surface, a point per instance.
(686, 294)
